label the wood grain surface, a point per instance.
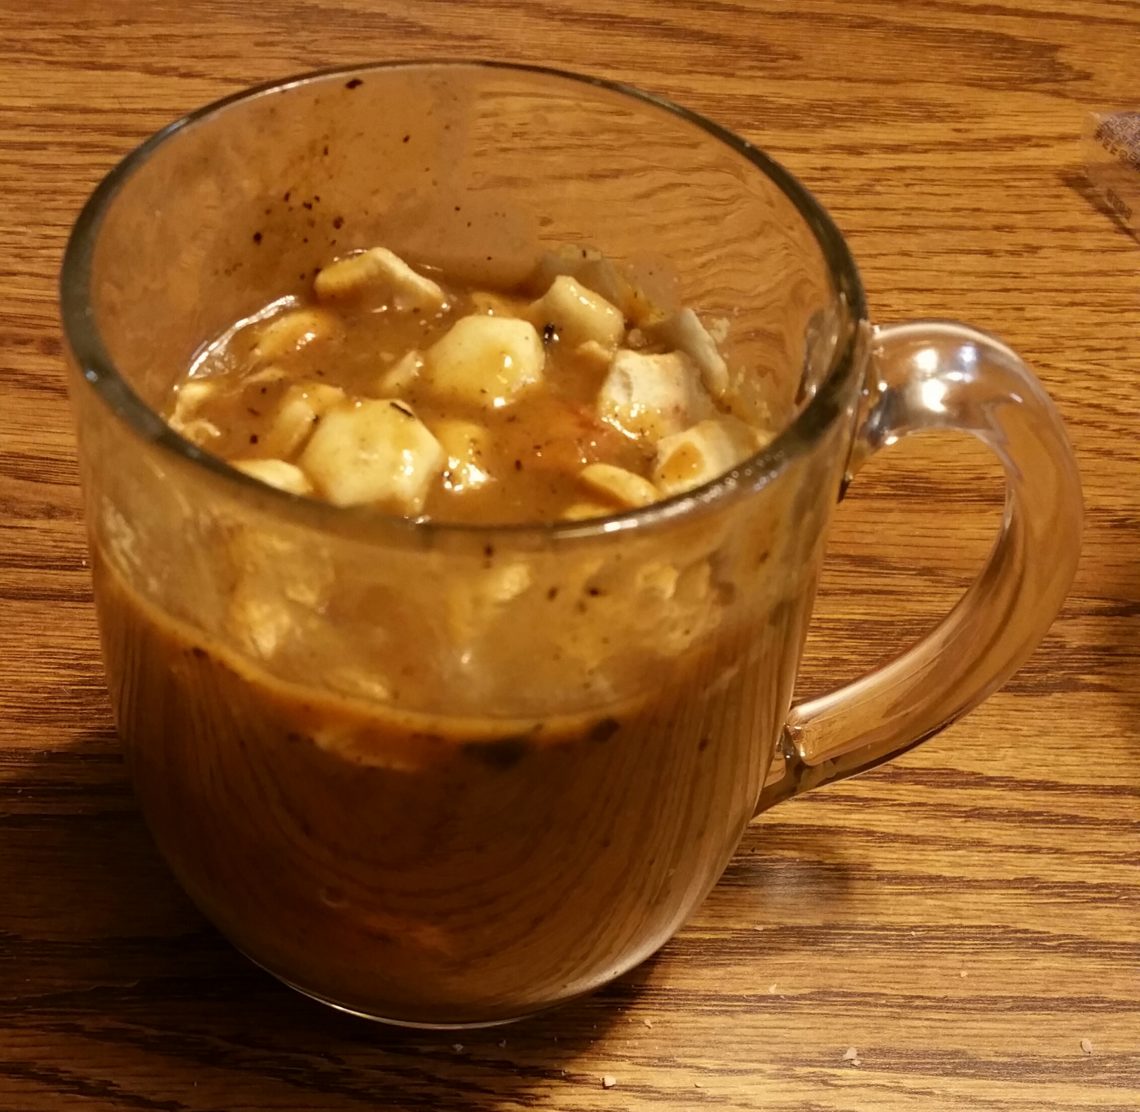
(967, 919)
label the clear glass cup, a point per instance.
(452, 775)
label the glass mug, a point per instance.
(449, 775)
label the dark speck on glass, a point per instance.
(502, 753)
(604, 729)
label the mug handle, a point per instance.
(944, 375)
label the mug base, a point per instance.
(390, 1021)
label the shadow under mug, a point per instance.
(451, 775)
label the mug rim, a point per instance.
(99, 372)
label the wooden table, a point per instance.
(968, 919)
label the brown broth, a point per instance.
(461, 866)
(433, 869)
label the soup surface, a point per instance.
(570, 397)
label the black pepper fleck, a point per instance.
(604, 729)
(253, 438)
(703, 744)
(399, 408)
(552, 594)
(354, 83)
(256, 237)
(501, 753)
(518, 465)
(406, 138)
(338, 222)
(325, 151)
(549, 332)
